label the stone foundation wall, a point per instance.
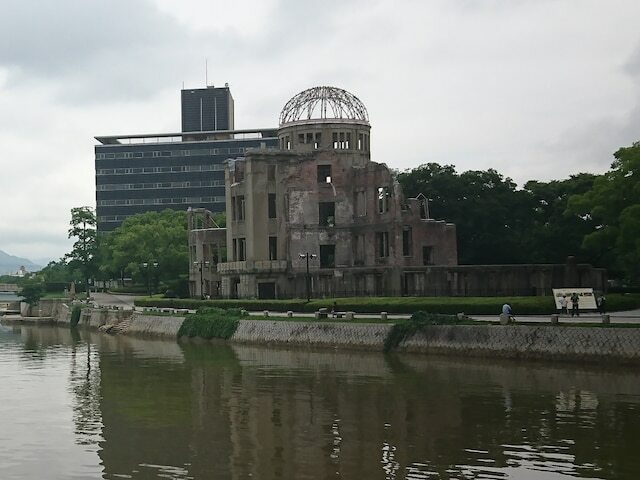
(155, 325)
(529, 342)
(621, 345)
(369, 336)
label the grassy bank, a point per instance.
(210, 323)
(443, 305)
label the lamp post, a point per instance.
(147, 266)
(201, 264)
(307, 256)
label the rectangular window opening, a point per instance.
(384, 199)
(427, 255)
(273, 248)
(382, 241)
(327, 256)
(242, 245)
(406, 241)
(240, 208)
(272, 205)
(327, 214)
(324, 173)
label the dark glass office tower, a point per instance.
(141, 173)
(207, 109)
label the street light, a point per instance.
(307, 256)
(147, 266)
(200, 264)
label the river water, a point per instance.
(87, 405)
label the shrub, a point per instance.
(211, 323)
(418, 321)
(443, 305)
(76, 311)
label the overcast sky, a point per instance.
(537, 89)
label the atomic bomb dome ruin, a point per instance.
(317, 216)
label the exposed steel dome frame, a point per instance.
(323, 103)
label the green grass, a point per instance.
(419, 321)
(210, 323)
(55, 296)
(444, 305)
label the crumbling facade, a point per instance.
(207, 248)
(318, 217)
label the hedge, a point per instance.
(211, 323)
(444, 305)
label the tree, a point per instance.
(554, 234)
(151, 237)
(491, 216)
(32, 291)
(612, 211)
(83, 254)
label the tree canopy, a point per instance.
(611, 209)
(151, 237)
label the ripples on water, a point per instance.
(93, 406)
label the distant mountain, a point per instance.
(10, 264)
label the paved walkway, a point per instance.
(630, 316)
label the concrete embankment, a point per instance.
(528, 342)
(368, 336)
(590, 344)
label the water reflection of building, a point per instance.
(230, 412)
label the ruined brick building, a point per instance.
(317, 215)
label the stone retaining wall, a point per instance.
(369, 336)
(493, 341)
(155, 325)
(528, 342)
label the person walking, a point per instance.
(575, 308)
(563, 305)
(601, 304)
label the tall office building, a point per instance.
(207, 109)
(141, 173)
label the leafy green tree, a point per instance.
(83, 254)
(554, 234)
(491, 216)
(151, 237)
(58, 272)
(32, 291)
(220, 218)
(612, 209)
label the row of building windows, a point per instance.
(173, 169)
(170, 153)
(158, 201)
(339, 141)
(328, 252)
(146, 186)
(326, 210)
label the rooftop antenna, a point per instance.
(206, 72)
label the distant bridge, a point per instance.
(8, 287)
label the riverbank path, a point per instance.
(630, 316)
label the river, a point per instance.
(88, 405)
(8, 297)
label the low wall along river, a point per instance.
(612, 344)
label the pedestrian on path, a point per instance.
(602, 304)
(563, 305)
(575, 308)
